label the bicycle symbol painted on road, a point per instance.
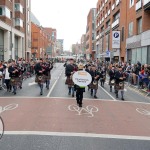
(143, 111)
(89, 110)
(8, 107)
(3, 109)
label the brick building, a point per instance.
(14, 31)
(83, 44)
(124, 16)
(60, 46)
(90, 34)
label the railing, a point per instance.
(113, 7)
(137, 82)
(117, 2)
(105, 15)
(108, 12)
(145, 2)
(115, 23)
(138, 5)
(102, 19)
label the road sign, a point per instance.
(115, 39)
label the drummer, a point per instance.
(119, 82)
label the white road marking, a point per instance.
(85, 99)
(32, 83)
(143, 111)
(8, 107)
(48, 95)
(107, 93)
(88, 110)
(66, 134)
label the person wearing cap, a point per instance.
(95, 78)
(79, 89)
(70, 69)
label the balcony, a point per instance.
(146, 4)
(106, 1)
(100, 9)
(105, 15)
(138, 5)
(100, 22)
(107, 30)
(103, 5)
(115, 23)
(102, 34)
(117, 2)
(97, 37)
(102, 19)
(108, 12)
(113, 7)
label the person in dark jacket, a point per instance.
(79, 90)
(119, 82)
(70, 69)
(112, 77)
(39, 75)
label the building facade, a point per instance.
(90, 34)
(53, 41)
(138, 31)
(41, 42)
(83, 45)
(60, 46)
(125, 17)
(13, 28)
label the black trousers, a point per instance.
(8, 85)
(79, 95)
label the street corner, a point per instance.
(64, 115)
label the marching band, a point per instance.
(13, 73)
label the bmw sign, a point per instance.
(116, 39)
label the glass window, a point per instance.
(131, 3)
(144, 55)
(1, 11)
(18, 7)
(148, 56)
(139, 25)
(7, 12)
(139, 55)
(122, 35)
(19, 22)
(130, 29)
(134, 56)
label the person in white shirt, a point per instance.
(7, 78)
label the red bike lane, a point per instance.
(64, 116)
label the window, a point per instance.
(131, 3)
(122, 35)
(28, 28)
(116, 16)
(4, 11)
(18, 7)
(139, 25)
(130, 33)
(19, 22)
(28, 16)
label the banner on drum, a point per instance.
(82, 78)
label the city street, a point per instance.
(54, 121)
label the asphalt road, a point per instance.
(54, 122)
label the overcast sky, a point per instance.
(69, 17)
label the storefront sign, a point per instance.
(82, 78)
(115, 39)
